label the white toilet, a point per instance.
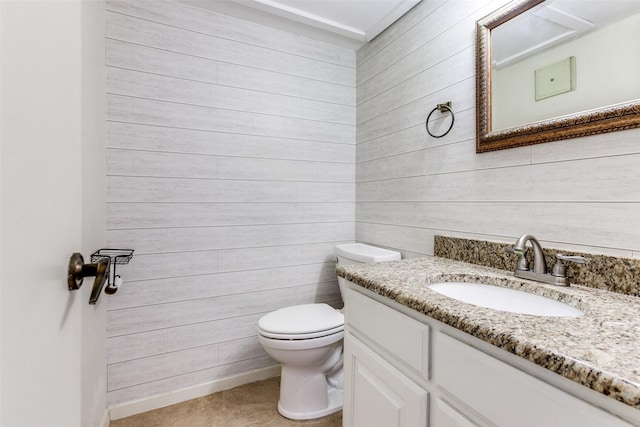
(307, 340)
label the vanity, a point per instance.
(414, 357)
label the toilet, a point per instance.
(307, 340)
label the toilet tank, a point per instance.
(359, 253)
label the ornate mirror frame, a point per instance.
(600, 120)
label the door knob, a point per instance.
(78, 270)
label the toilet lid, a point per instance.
(301, 320)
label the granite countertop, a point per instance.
(599, 349)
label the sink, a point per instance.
(505, 299)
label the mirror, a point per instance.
(548, 70)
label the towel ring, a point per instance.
(442, 108)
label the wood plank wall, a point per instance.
(231, 172)
(581, 194)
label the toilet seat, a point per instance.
(300, 337)
(301, 344)
(301, 322)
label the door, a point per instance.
(52, 343)
(445, 415)
(377, 394)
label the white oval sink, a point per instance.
(505, 299)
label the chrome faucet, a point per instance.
(520, 248)
(558, 274)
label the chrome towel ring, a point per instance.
(442, 108)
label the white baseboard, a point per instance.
(105, 419)
(162, 400)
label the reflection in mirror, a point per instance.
(527, 55)
(557, 69)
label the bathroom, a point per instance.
(233, 195)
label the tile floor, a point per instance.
(245, 406)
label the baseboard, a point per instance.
(105, 419)
(162, 400)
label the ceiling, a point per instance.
(348, 23)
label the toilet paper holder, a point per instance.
(103, 267)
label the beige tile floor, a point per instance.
(248, 405)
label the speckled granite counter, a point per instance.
(600, 350)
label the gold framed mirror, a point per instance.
(555, 72)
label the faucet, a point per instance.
(557, 275)
(520, 248)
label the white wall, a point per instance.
(602, 63)
(93, 373)
(1, 198)
(231, 169)
(52, 121)
(581, 193)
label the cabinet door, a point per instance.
(377, 394)
(445, 415)
(505, 395)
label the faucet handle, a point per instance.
(576, 258)
(559, 269)
(523, 264)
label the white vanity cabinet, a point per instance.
(379, 394)
(403, 370)
(382, 346)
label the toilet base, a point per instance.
(306, 392)
(334, 405)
